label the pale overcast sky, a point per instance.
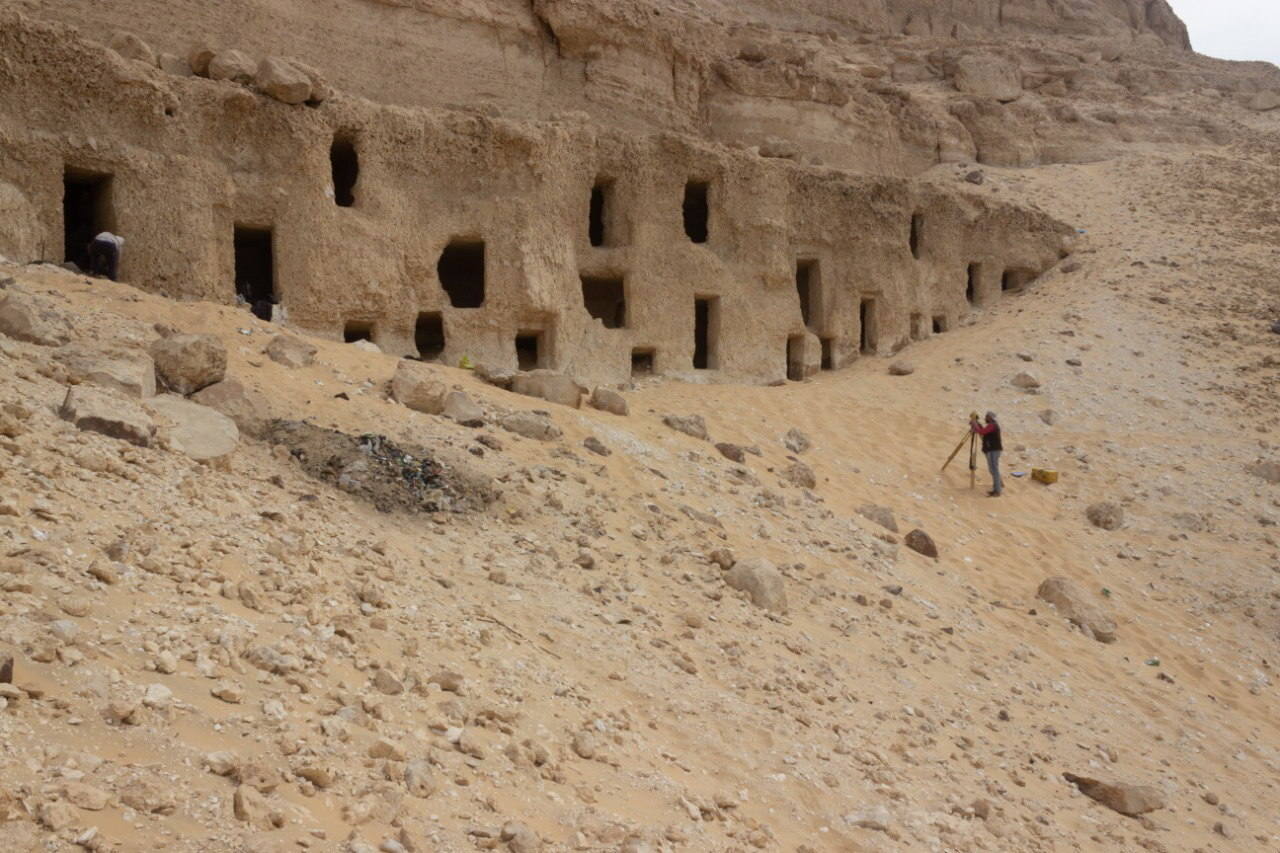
(1233, 29)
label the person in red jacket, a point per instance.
(991, 448)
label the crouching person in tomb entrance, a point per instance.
(104, 255)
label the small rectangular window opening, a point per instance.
(697, 211)
(357, 330)
(828, 355)
(462, 273)
(597, 226)
(1015, 279)
(971, 289)
(706, 333)
(255, 269)
(867, 343)
(345, 161)
(642, 362)
(939, 324)
(605, 299)
(428, 335)
(917, 233)
(86, 212)
(529, 350)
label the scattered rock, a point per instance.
(922, 543)
(1026, 381)
(85, 796)
(187, 363)
(199, 57)
(692, 425)
(198, 431)
(881, 515)
(230, 65)
(1131, 800)
(419, 779)
(107, 413)
(875, 818)
(976, 177)
(531, 425)
(284, 82)
(901, 368)
(761, 581)
(799, 474)
(419, 387)
(732, 452)
(461, 409)
(796, 441)
(1049, 416)
(387, 683)
(1105, 515)
(608, 400)
(550, 386)
(596, 446)
(252, 807)
(26, 318)
(1078, 607)
(520, 838)
(1264, 101)
(291, 351)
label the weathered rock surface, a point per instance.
(291, 351)
(762, 581)
(283, 81)
(419, 387)
(247, 408)
(107, 413)
(550, 386)
(198, 431)
(800, 474)
(461, 408)
(130, 46)
(901, 368)
(187, 363)
(129, 371)
(29, 318)
(986, 75)
(1078, 607)
(1026, 381)
(1131, 800)
(1267, 469)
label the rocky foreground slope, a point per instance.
(585, 631)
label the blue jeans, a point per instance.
(993, 465)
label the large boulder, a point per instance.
(283, 81)
(550, 386)
(760, 580)
(459, 407)
(200, 57)
(419, 387)
(291, 351)
(231, 65)
(1079, 608)
(1131, 800)
(693, 425)
(187, 363)
(531, 425)
(1267, 469)
(1264, 101)
(28, 318)
(198, 431)
(129, 371)
(608, 400)
(988, 76)
(107, 413)
(248, 408)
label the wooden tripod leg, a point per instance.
(956, 452)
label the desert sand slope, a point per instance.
(239, 656)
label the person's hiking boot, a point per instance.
(993, 494)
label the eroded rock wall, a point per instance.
(192, 160)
